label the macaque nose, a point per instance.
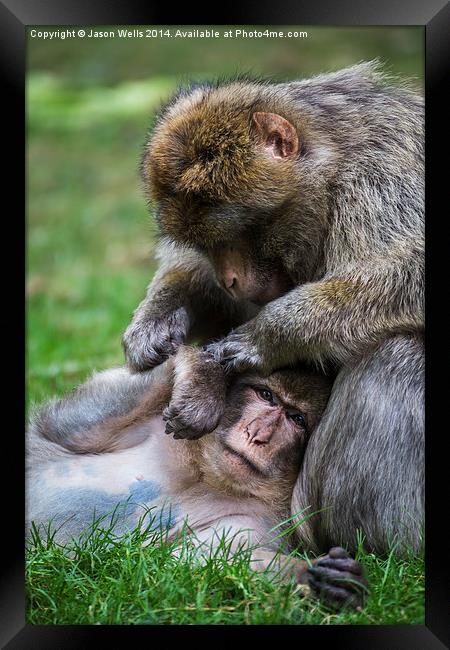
(260, 430)
(229, 280)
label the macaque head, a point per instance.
(258, 446)
(222, 160)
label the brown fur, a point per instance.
(338, 293)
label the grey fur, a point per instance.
(157, 330)
(364, 464)
(358, 216)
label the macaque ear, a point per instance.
(279, 136)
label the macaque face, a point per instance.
(259, 444)
(221, 172)
(244, 276)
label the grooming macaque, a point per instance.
(293, 213)
(105, 444)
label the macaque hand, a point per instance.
(237, 352)
(148, 342)
(198, 396)
(338, 580)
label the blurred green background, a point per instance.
(90, 102)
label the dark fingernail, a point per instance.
(338, 552)
(342, 564)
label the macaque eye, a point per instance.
(265, 394)
(298, 419)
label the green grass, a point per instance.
(90, 238)
(138, 579)
(90, 255)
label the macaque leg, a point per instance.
(335, 578)
(364, 464)
(105, 412)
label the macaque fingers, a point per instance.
(235, 354)
(347, 579)
(198, 398)
(175, 424)
(338, 580)
(344, 564)
(150, 342)
(336, 597)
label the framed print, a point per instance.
(250, 161)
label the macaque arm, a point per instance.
(183, 301)
(341, 316)
(334, 318)
(106, 413)
(336, 578)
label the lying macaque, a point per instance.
(105, 445)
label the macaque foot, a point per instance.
(338, 580)
(148, 343)
(198, 396)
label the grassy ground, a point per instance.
(90, 243)
(107, 580)
(90, 256)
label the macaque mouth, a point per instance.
(259, 302)
(243, 459)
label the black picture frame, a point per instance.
(15, 17)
